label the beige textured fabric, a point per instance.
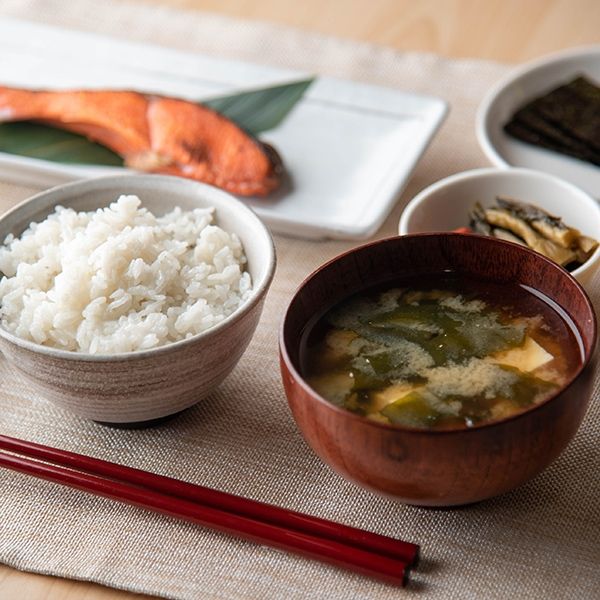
(541, 541)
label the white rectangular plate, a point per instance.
(349, 148)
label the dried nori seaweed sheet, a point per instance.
(566, 119)
(530, 127)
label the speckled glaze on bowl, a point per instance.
(143, 386)
(436, 467)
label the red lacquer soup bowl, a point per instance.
(426, 466)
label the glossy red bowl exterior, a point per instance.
(428, 467)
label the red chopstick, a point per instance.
(221, 500)
(361, 551)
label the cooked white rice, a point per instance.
(120, 279)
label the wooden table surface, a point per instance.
(505, 30)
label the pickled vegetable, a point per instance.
(533, 227)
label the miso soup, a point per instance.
(443, 353)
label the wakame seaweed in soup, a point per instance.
(449, 353)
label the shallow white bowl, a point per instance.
(445, 205)
(145, 385)
(518, 87)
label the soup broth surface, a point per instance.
(443, 353)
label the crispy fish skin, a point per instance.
(155, 133)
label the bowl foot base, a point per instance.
(141, 424)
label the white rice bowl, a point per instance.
(120, 279)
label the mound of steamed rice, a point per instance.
(120, 279)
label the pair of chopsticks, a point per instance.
(361, 551)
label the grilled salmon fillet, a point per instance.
(156, 134)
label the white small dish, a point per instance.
(445, 205)
(524, 84)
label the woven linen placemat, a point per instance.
(540, 541)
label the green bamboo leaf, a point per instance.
(48, 143)
(260, 110)
(255, 111)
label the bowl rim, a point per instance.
(515, 75)
(299, 379)
(256, 295)
(509, 172)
